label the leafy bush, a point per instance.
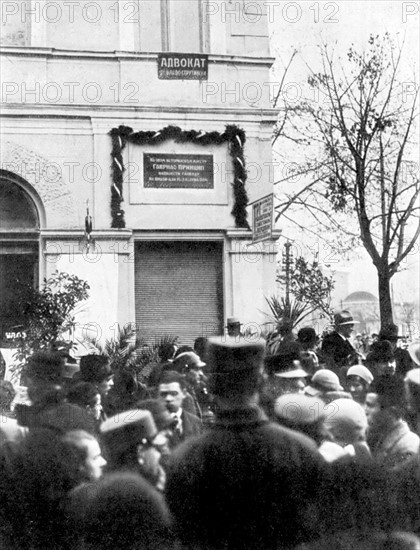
(48, 314)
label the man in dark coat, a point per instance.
(246, 482)
(336, 347)
(172, 390)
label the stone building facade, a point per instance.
(175, 261)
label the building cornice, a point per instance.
(125, 55)
(89, 112)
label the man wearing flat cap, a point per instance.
(246, 482)
(336, 346)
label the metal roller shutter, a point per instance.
(179, 289)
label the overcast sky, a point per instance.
(302, 25)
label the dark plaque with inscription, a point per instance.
(172, 171)
(183, 66)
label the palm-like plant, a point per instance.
(285, 315)
(129, 351)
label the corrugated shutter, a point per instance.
(179, 289)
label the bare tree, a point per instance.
(354, 147)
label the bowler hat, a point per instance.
(344, 318)
(120, 432)
(95, 368)
(226, 355)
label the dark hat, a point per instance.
(82, 394)
(65, 417)
(161, 416)
(286, 362)
(95, 368)
(227, 355)
(389, 332)
(381, 351)
(232, 321)
(344, 318)
(307, 335)
(45, 367)
(128, 428)
(323, 380)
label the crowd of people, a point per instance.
(224, 448)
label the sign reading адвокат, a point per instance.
(183, 66)
(173, 171)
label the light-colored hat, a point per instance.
(361, 371)
(414, 351)
(186, 361)
(291, 371)
(298, 408)
(348, 422)
(413, 376)
(322, 381)
(344, 318)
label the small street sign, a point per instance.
(262, 219)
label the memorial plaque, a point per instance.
(262, 219)
(183, 66)
(173, 171)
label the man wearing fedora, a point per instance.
(246, 482)
(336, 346)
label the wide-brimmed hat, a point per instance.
(362, 372)
(344, 318)
(323, 380)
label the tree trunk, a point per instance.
(385, 301)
